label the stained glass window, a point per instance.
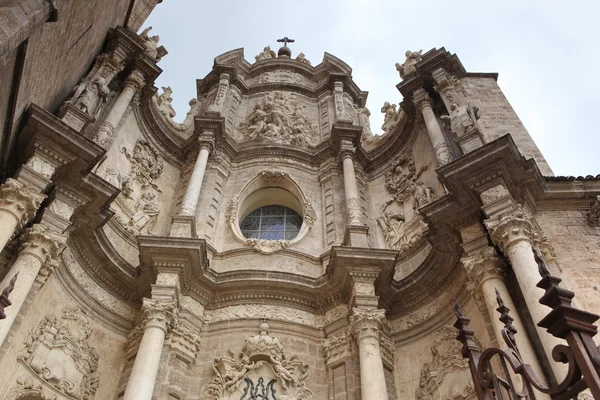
(272, 223)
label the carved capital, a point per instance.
(443, 80)
(422, 99)
(366, 324)
(41, 242)
(510, 229)
(159, 314)
(337, 348)
(483, 266)
(544, 248)
(443, 153)
(206, 141)
(347, 150)
(135, 81)
(104, 134)
(185, 341)
(19, 200)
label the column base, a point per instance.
(356, 236)
(183, 226)
(74, 117)
(469, 141)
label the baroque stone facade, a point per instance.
(273, 245)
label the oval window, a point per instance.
(272, 222)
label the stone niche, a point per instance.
(260, 371)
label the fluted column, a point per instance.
(513, 234)
(158, 318)
(105, 131)
(192, 192)
(18, 204)
(39, 248)
(486, 271)
(365, 326)
(350, 188)
(440, 147)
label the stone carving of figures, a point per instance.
(412, 58)
(423, 195)
(188, 122)
(302, 58)
(164, 102)
(151, 47)
(364, 121)
(90, 95)
(287, 377)
(392, 224)
(463, 119)
(120, 180)
(235, 376)
(147, 214)
(266, 54)
(390, 119)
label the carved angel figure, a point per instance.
(151, 47)
(302, 58)
(265, 54)
(235, 376)
(164, 102)
(463, 119)
(390, 119)
(412, 57)
(287, 377)
(89, 96)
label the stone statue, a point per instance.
(390, 119)
(463, 119)
(422, 194)
(365, 122)
(302, 58)
(266, 54)
(392, 224)
(164, 102)
(144, 220)
(239, 370)
(151, 47)
(412, 57)
(89, 96)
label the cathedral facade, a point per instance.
(273, 245)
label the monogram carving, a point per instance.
(447, 375)
(58, 350)
(260, 371)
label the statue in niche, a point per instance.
(164, 102)
(463, 119)
(90, 95)
(265, 54)
(412, 58)
(151, 47)
(280, 120)
(143, 221)
(302, 58)
(390, 118)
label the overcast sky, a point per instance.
(545, 52)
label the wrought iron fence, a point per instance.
(564, 321)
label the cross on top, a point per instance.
(285, 41)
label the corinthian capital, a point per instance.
(134, 81)
(43, 243)
(347, 150)
(19, 200)
(422, 99)
(366, 324)
(510, 229)
(483, 266)
(160, 314)
(207, 141)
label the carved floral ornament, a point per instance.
(269, 178)
(58, 351)
(260, 371)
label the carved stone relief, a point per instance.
(58, 350)
(593, 216)
(265, 54)
(391, 117)
(447, 375)
(400, 222)
(412, 58)
(41, 167)
(279, 119)
(137, 206)
(302, 58)
(151, 47)
(463, 119)
(281, 76)
(260, 371)
(164, 102)
(26, 388)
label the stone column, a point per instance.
(347, 155)
(192, 192)
(40, 247)
(486, 271)
(436, 135)
(365, 326)
(514, 234)
(158, 318)
(18, 204)
(105, 131)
